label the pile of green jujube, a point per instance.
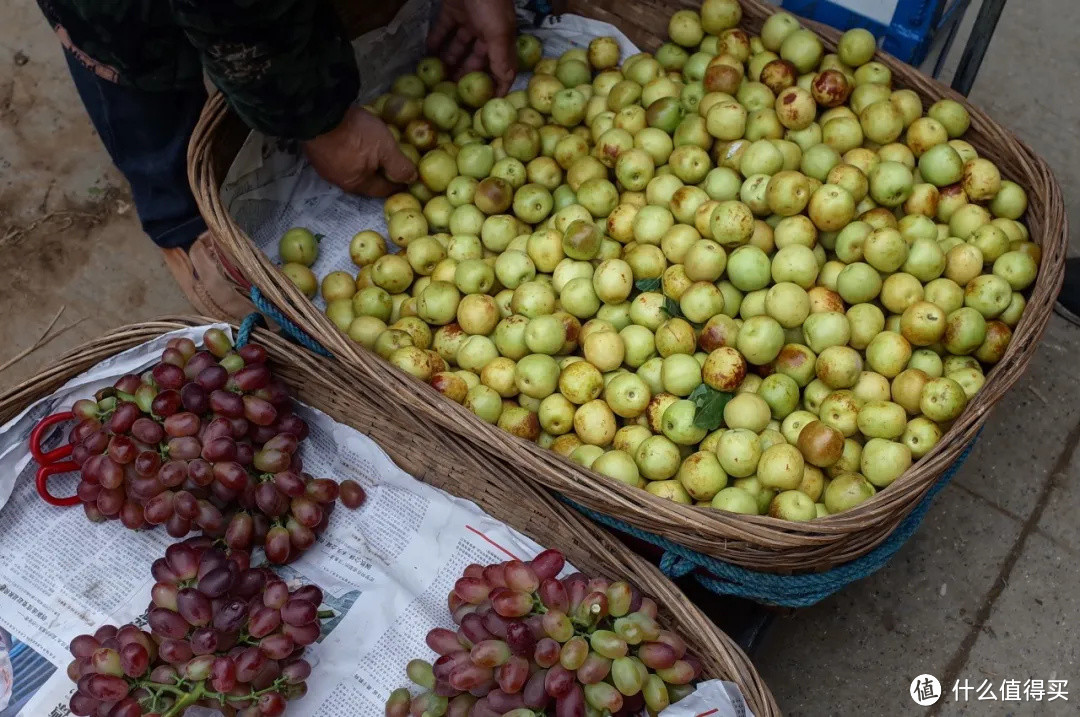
(739, 273)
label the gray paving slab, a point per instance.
(1033, 634)
(857, 652)
(1059, 521)
(1025, 433)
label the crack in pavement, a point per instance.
(978, 625)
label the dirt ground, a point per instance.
(69, 237)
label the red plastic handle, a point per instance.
(52, 469)
(38, 433)
(52, 462)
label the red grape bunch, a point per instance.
(529, 643)
(222, 635)
(205, 440)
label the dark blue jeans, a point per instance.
(146, 134)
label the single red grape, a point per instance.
(258, 411)
(226, 404)
(293, 424)
(87, 491)
(167, 623)
(240, 531)
(307, 512)
(109, 501)
(276, 594)
(84, 646)
(195, 398)
(298, 611)
(175, 652)
(277, 646)
(302, 634)
(322, 490)
(252, 353)
(309, 592)
(277, 544)
(168, 375)
(296, 671)
(223, 674)
(131, 515)
(123, 417)
(184, 448)
(252, 377)
(177, 526)
(301, 537)
(218, 343)
(290, 483)
(212, 377)
(200, 472)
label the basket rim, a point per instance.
(731, 661)
(713, 532)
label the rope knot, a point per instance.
(675, 566)
(290, 329)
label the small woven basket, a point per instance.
(448, 464)
(758, 543)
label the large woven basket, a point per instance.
(759, 543)
(448, 464)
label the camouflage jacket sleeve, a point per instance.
(285, 66)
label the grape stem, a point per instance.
(324, 614)
(156, 690)
(246, 639)
(188, 699)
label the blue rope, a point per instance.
(784, 590)
(291, 330)
(243, 334)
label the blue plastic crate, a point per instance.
(906, 28)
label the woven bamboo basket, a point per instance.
(440, 460)
(758, 543)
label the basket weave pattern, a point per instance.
(448, 464)
(756, 542)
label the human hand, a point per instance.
(475, 35)
(351, 155)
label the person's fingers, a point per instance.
(376, 186)
(502, 58)
(441, 30)
(458, 47)
(477, 59)
(396, 166)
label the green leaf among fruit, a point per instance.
(710, 406)
(648, 284)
